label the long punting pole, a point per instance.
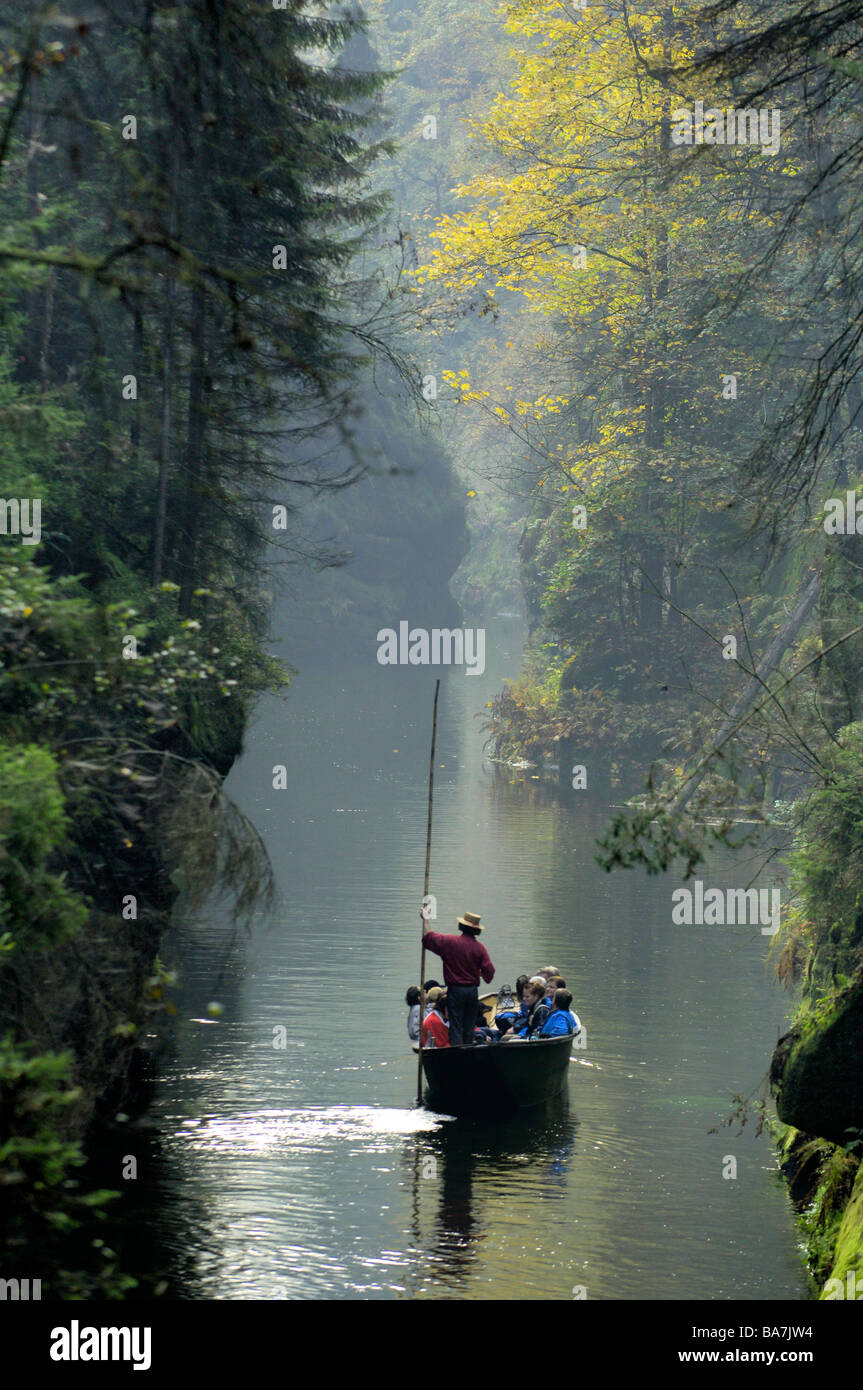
(425, 895)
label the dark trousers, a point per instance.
(462, 1002)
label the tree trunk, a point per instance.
(194, 450)
(138, 368)
(167, 384)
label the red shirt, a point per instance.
(464, 958)
(435, 1026)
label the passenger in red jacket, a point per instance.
(465, 959)
(435, 1031)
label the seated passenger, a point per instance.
(432, 990)
(552, 983)
(482, 1032)
(547, 971)
(560, 1021)
(537, 1010)
(412, 999)
(521, 1011)
(435, 1029)
(545, 976)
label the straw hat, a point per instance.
(470, 920)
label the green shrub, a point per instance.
(36, 906)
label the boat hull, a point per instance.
(473, 1080)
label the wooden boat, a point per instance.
(470, 1080)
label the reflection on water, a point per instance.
(425, 1206)
(303, 1171)
(476, 1190)
(289, 1132)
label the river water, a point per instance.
(305, 1171)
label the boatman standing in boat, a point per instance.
(465, 959)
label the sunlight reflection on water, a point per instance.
(260, 1130)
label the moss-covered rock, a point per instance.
(817, 1070)
(848, 1254)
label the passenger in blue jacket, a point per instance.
(561, 1020)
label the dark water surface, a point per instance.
(306, 1172)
